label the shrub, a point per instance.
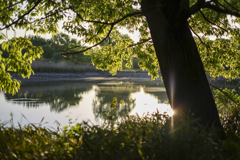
(148, 137)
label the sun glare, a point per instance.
(146, 103)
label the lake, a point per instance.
(75, 101)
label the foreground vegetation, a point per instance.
(148, 137)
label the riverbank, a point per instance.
(99, 75)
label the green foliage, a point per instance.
(114, 101)
(95, 21)
(44, 18)
(221, 56)
(17, 55)
(228, 102)
(221, 59)
(111, 57)
(147, 137)
(113, 38)
(17, 62)
(33, 142)
(135, 138)
(59, 42)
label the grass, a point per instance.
(148, 137)
(66, 67)
(61, 67)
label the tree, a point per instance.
(44, 43)
(111, 40)
(166, 40)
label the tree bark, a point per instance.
(180, 63)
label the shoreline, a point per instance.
(85, 76)
(96, 76)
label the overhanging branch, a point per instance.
(48, 15)
(201, 4)
(86, 40)
(109, 32)
(104, 23)
(211, 22)
(193, 9)
(29, 11)
(107, 23)
(220, 10)
(198, 37)
(231, 6)
(11, 6)
(224, 93)
(135, 44)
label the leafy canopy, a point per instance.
(17, 62)
(96, 21)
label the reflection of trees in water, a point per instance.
(106, 91)
(61, 95)
(58, 95)
(104, 96)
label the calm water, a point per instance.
(82, 100)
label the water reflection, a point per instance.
(63, 97)
(58, 96)
(104, 95)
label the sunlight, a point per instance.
(172, 85)
(146, 103)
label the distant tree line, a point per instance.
(57, 43)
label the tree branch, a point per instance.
(222, 5)
(109, 32)
(223, 93)
(107, 23)
(212, 22)
(11, 6)
(201, 4)
(37, 20)
(198, 37)
(7, 26)
(231, 6)
(104, 23)
(132, 45)
(192, 10)
(217, 9)
(85, 42)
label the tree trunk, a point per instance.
(180, 63)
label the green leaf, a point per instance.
(114, 100)
(113, 105)
(4, 45)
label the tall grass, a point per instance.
(61, 67)
(148, 137)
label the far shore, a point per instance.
(87, 76)
(103, 76)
